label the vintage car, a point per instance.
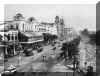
(28, 52)
(40, 49)
(10, 70)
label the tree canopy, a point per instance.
(18, 16)
(31, 19)
(22, 37)
(97, 39)
(0, 38)
(71, 47)
(49, 37)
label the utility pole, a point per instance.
(74, 65)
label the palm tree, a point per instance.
(18, 16)
(31, 19)
(85, 32)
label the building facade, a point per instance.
(69, 34)
(60, 27)
(12, 36)
(38, 27)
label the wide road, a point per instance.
(36, 63)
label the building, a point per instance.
(62, 25)
(3, 47)
(69, 34)
(3, 50)
(59, 22)
(12, 36)
(37, 27)
(49, 28)
(32, 37)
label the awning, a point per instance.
(31, 34)
(29, 42)
(3, 45)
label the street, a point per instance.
(36, 63)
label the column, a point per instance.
(14, 49)
(6, 52)
(17, 37)
(23, 28)
(14, 37)
(10, 37)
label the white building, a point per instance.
(69, 34)
(38, 27)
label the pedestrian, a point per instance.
(77, 66)
(44, 58)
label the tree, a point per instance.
(46, 37)
(49, 38)
(71, 47)
(85, 32)
(22, 37)
(18, 16)
(0, 37)
(54, 37)
(98, 38)
(31, 19)
(93, 38)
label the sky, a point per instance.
(98, 17)
(78, 16)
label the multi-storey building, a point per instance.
(60, 27)
(12, 35)
(37, 27)
(69, 34)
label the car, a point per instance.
(54, 48)
(9, 71)
(28, 52)
(40, 49)
(53, 44)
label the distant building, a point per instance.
(60, 27)
(32, 38)
(49, 28)
(69, 34)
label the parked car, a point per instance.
(54, 48)
(36, 46)
(40, 49)
(28, 52)
(9, 71)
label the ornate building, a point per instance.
(60, 27)
(12, 37)
(37, 27)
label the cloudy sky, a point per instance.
(78, 16)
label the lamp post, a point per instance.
(74, 65)
(19, 59)
(44, 58)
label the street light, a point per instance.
(44, 58)
(75, 64)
